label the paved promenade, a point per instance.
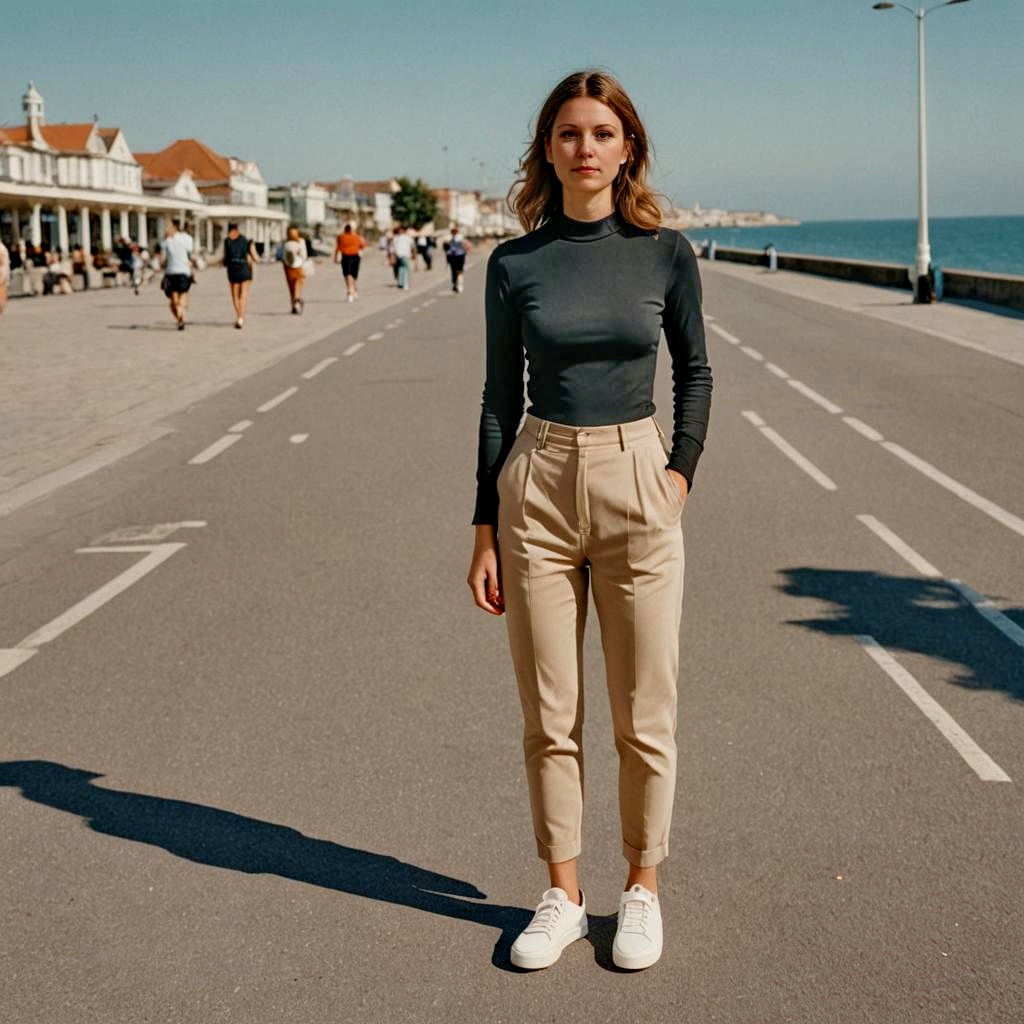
(92, 376)
(260, 755)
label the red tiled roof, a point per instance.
(68, 138)
(185, 155)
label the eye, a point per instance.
(566, 133)
(606, 134)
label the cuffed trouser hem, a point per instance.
(644, 858)
(560, 852)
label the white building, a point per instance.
(80, 184)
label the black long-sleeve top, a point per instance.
(584, 303)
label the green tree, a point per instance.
(413, 205)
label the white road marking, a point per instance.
(375, 337)
(788, 450)
(390, 327)
(320, 367)
(1008, 519)
(274, 402)
(298, 438)
(985, 768)
(218, 446)
(240, 426)
(146, 534)
(709, 319)
(862, 428)
(752, 352)
(352, 349)
(731, 338)
(813, 395)
(777, 370)
(901, 547)
(12, 657)
(400, 320)
(982, 605)
(156, 554)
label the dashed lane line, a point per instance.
(218, 446)
(240, 426)
(376, 336)
(984, 767)
(320, 367)
(298, 438)
(791, 453)
(352, 349)
(981, 604)
(277, 400)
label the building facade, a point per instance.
(72, 185)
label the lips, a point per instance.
(585, 170)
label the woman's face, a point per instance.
(586, 133)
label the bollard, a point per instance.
(711, 249)
(773, 258)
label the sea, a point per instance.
(991, 244)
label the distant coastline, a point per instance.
(698, 217)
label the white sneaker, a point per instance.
(460, 286)
(638, 935)
(350, 298)
(556, 922)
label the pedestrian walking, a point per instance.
(347, 251)
(455, 248)
(239, 257)
(402, 246)
(294, 256)
(585, 498)
(5, 273)
(177, 248)
(425, 246)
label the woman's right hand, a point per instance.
(484, 572)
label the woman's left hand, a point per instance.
(680, 481)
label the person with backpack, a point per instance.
(294, 258)
(455, 249)
(239, 257)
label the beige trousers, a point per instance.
(579, 506)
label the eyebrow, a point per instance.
(570, 124)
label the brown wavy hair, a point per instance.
(540, 197)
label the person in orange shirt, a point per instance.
(350, 245)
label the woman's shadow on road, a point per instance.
(207, 835)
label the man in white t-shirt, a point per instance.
(177, 249)
(402, 247)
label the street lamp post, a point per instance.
(923, 260)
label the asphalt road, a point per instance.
(278, 777)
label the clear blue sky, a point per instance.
(807, 109)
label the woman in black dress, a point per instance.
(239, 257)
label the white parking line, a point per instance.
(240, 426)
(352, 349)
(862, 428)
(982, 605)
(752, 352)
(218, 446)
(731, 338)
(320, 367)
(298, 438)
(777, 370)
(985, 768)
(813, 395)
(274, 402)
(790, 452)
(1008, 519)
(376, 337)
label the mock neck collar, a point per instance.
(587, 230)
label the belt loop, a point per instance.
(657, 426)
(542, 434)
(622, 438)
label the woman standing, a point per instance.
(294, 258)
(239, 258)
(5, 273)
(349, 246)
(582, 498)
